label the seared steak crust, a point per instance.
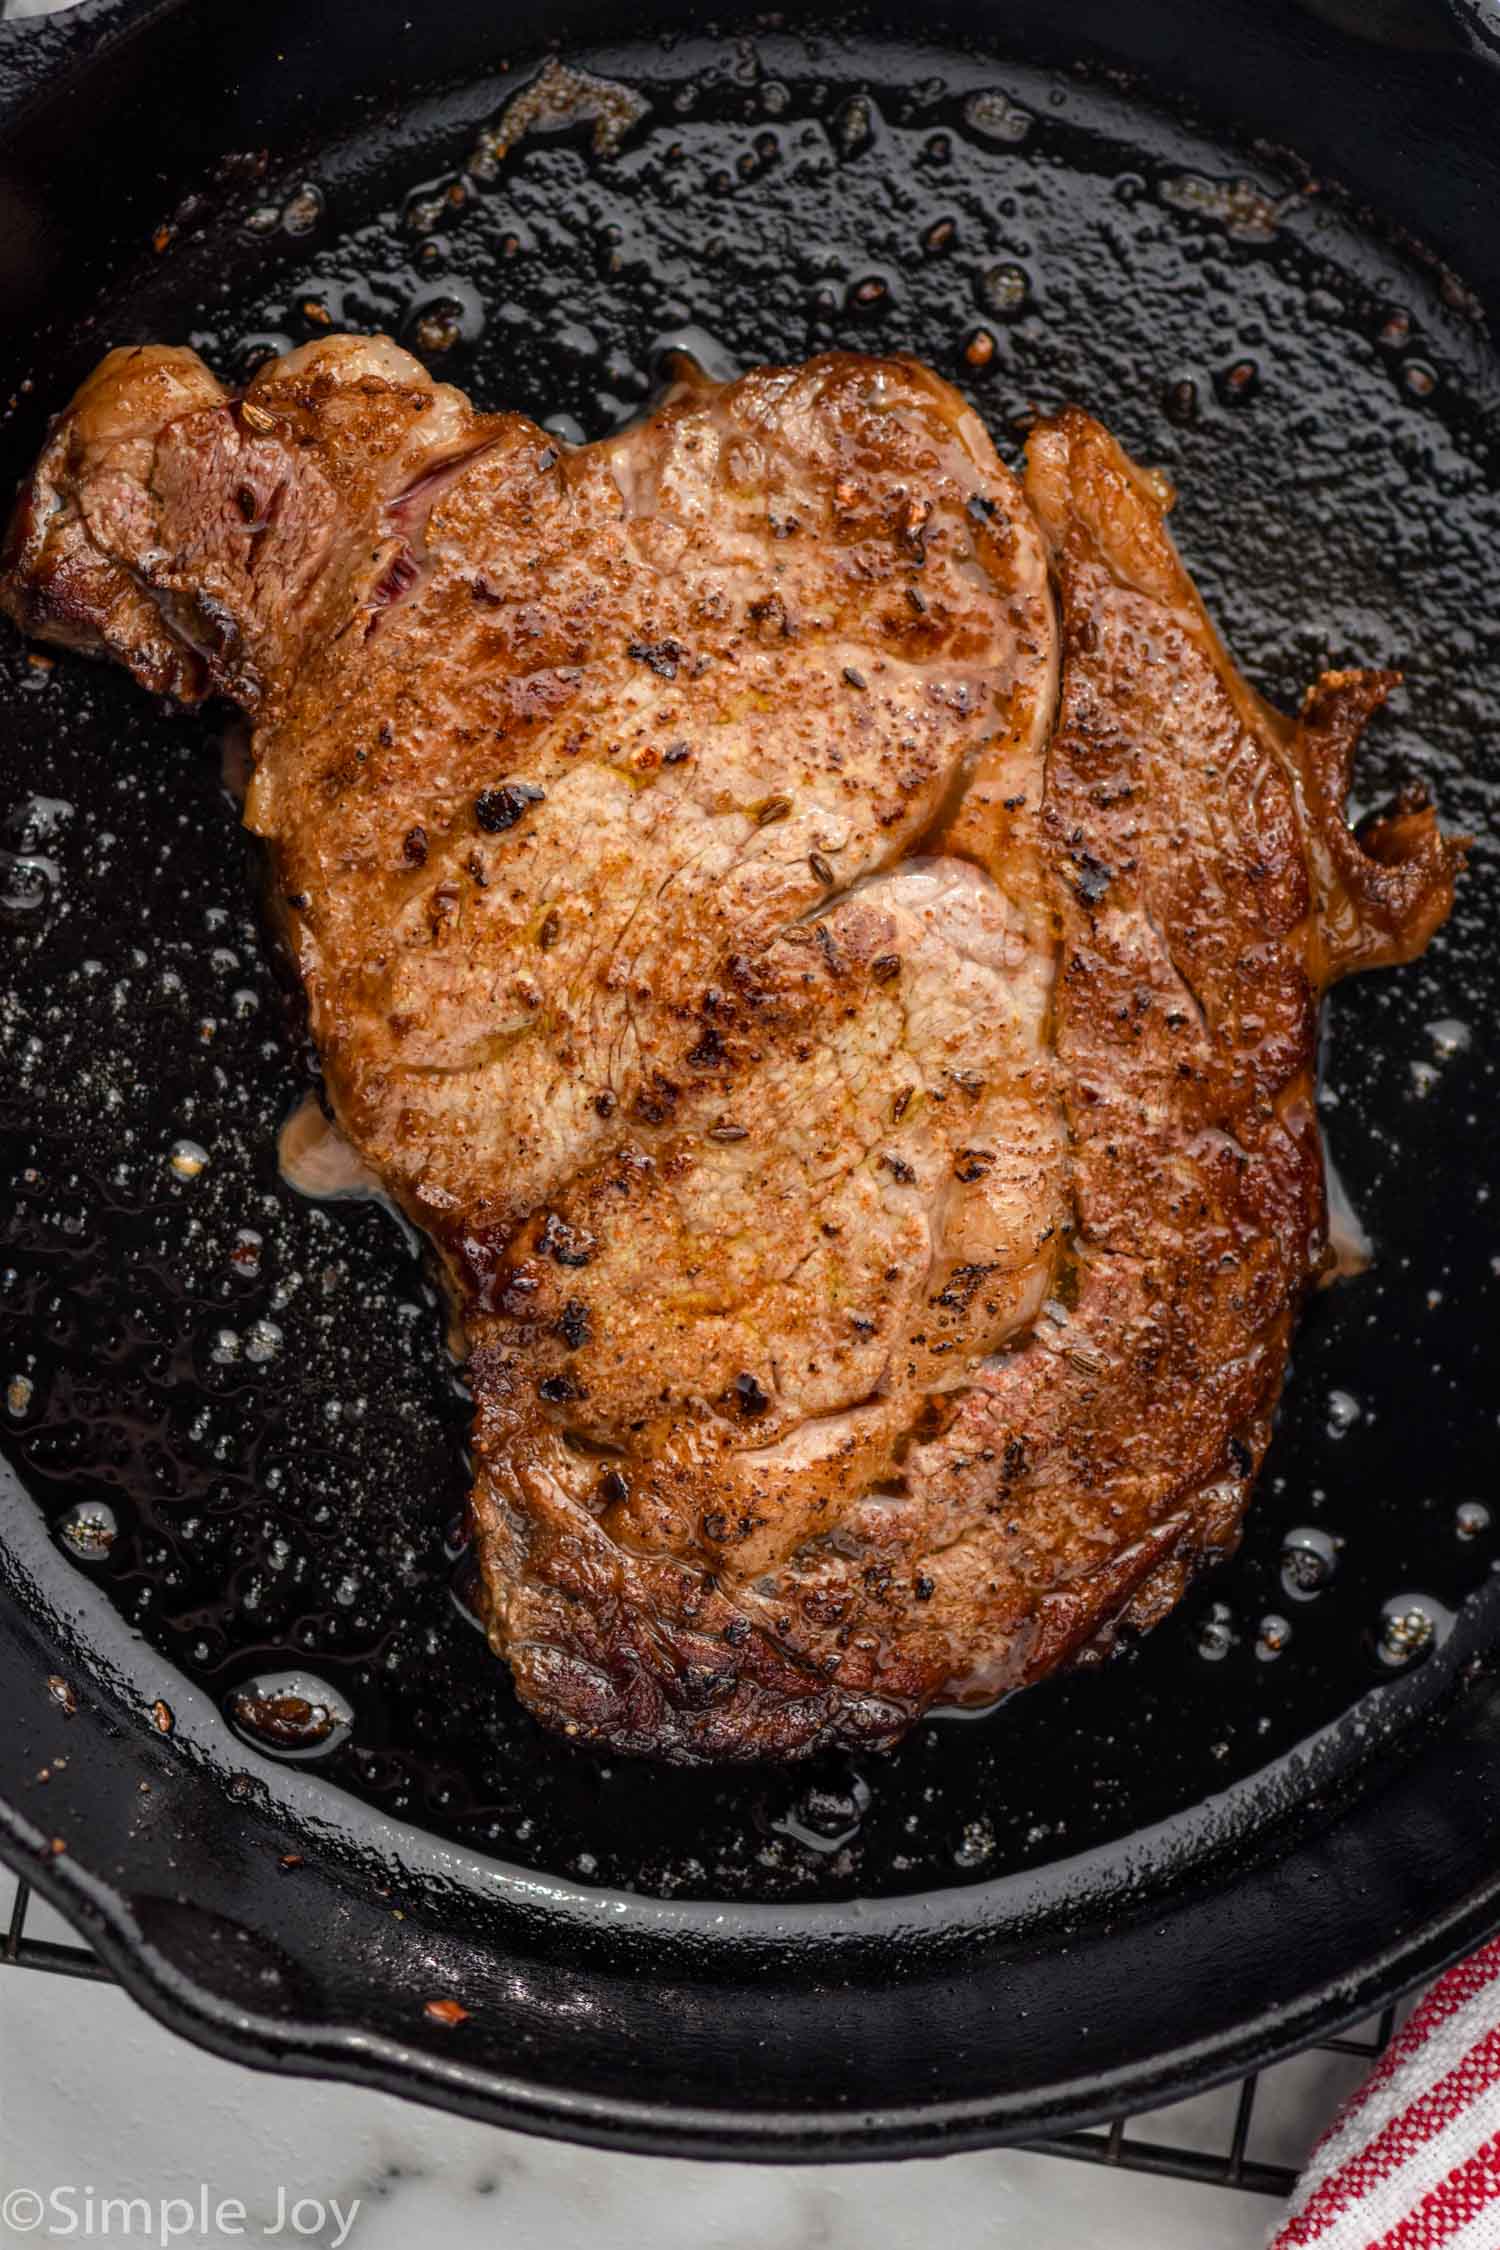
(828, 949)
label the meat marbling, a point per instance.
(828, 949)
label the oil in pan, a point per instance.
(235, 1402)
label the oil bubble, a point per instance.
(1004, 290)
(1344, 1411)
(35, 821)
(1216, 1633)
(1411, 1626)
(89, 1531)
(1240, 207)
(245, 1252)
(1180, 400)
(303, 209)
(263, 1340)
(1472, 1519)
(27, 883)
(825, 1819)
(1309, 1562)
(853, 126)
(187, 1159)
(870, 294)
(995, 117)
(427, 208)
(976, 1845)
(1449, 1037)
(290, 1714)
(439, 327)
(1238, 383)
(1272, 1637)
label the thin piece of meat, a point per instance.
(828, 949)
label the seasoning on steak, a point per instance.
(828, 949)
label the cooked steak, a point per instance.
(826, 946)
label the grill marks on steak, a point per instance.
(861, 1086)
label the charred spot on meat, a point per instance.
(828, 948)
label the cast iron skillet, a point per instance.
(1123, 1885)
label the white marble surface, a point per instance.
(96, 2096)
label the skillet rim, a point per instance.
(80, 1887)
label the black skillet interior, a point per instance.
(1280, 1806)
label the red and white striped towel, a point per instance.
(1412, 2162)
